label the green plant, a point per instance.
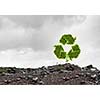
(67, 39)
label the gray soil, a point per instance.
(61, 74)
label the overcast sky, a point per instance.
(27, 41)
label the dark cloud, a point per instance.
(34, 31)
(29, 40)
(36, 21)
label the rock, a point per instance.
(56, 68)
(66, 78)
(45, 76)
(41, 82)
(93, 69)
(94, 77)
(7, 74)
(38, 72)
(11, 70)
(81, 74)
(28, 69)
(35, 79)
(70, 68)
(7, 81)
(30, 77)
(76, 76)
(22, 77)
(2, 74)
(23, 72)
(96, 82)
(91, 83)
(89, 66)
(43, 68)
(18, 79)
(88, 75)
(64, 71)
(98, 77)
(82, 82)
(43, 71)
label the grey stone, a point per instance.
(66, 78)
(30, 77)
(7, 81)
(82, 82)
(18, 79)
(35, 79)
(41, 82)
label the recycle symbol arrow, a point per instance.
(67, 39)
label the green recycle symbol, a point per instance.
(72, 53)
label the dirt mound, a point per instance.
(62, 74)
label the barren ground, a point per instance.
(62, 74)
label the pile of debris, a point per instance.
(61, 74)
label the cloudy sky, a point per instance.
(27, 41)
